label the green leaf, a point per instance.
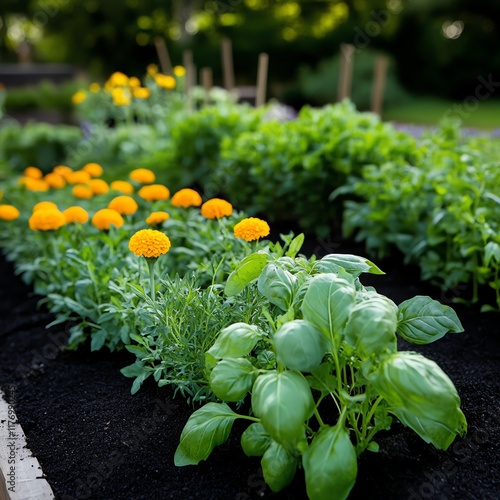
(98, 339)
(353, 264)
(133, 370)
(422, 396)
(295, 245)
(330, 464)
(255, 440)
(300, 345)
(283, 401)
(322, 379)
(278, 466)
(491, 251)
(328, 303)
(371, 328)
(232, 378)
(206, 428)
(277, 285)
(235, 341)
(249, 269)
(422, 320)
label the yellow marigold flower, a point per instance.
(134, 82)
(122, 186)
(34, 184)
(154, 192)
(44, 205)
(120, 97)
(76, 214)
(98, 186)
(142, 176)
(156, 218)
(33, 172)
(62, 170)
(93, 169)
(141, 93)
(78, 177)
(82, 191)
(179, 71)
(152, 69)
(124, 205)
(94, 87)
(216, 208)
(8, 212)
(118, 79)
(165, 81)
(46, 219)
(55, 181)
(251, 229)
(186, 198)
(79, 97)
(105, 218)
(149, 243)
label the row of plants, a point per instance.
(297, 345)
(432, 199)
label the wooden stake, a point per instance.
(206, 77)
(380, 75)
(345, 77)
(163, 57)
(262, 79)
(227, 64)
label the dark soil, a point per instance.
(96, 441)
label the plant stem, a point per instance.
(151, 264)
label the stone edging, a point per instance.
(21, 477)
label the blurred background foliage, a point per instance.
(437, 47)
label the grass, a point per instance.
(483, 115)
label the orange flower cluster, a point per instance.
(149, 243)
(156, 218)
(46, 219)
(251, 229)
(154, 192)
(105, 218)
(142, 176)
(9, 212)
(186, 198)
(124, 205)
(76, 214)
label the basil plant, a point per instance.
(326, 375)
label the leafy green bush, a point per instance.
(288, 170)
(38, 144)
(191, 153)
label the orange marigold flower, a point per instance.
(46, 219)
(79, 97)
(83, 192)
(122, 186)
(186, 198)
(8, 212)
(78, 177)
(98, 186)
(45, 204)
(152, 69)
(149, 243)
(33, 172)
(251, 229)
(142, 176)
(118, 79)
(34, 184)
(121, 97)
(165, 81)
(216, 208)
(62, 170)
(124, 205)
(179, 71)
(154, 192)
(93, 169)
(76, 214)
(156, 218)
(141, 93)
(134, 82)
(55, 181)
(94, 87)
(105, 218)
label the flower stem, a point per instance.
(151, 264)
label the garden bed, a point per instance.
(95, 440)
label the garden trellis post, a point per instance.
(379, 79)
(227, 64)
(262, 79)
(345, 77)
(163, 56)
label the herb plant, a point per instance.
(324, 373)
